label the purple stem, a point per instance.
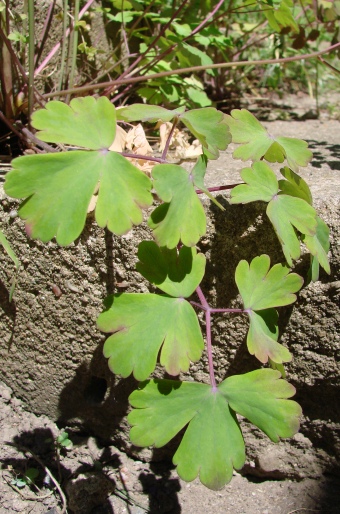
(208, 311)
(169, 50)
(236, 311)
(209, 352)
(44, 34)
(202, 298)
(119, 95)
(57, 46)
(206, 307)
(160, 160)
(191, 69)
(152, 45)
(218, 188)
(167, 144)
(210, 15)
(200, 306)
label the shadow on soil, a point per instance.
(88, 485)
(319, 148)
(39, 452)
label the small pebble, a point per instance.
(56, 290)
(5, 394)
(72, 287)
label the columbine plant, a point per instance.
(58, 188)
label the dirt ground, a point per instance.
(97, 478)
(101, 480)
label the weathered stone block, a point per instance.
(51, 351)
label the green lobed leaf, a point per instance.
(257, 143)
(86, 122)
(189, 55)
(177, 273)
(288, 213)
(124, 191)
(318, 245)
(181, 217)
(245, 129)
(260, 184)
(261, 397)
(212, 444)
(296, 152)
(208, 125)
(196, 96)
(262, 337)
(141, 326)
(151, 113)
(262, 287)
(58, 188)
(294, 185)
(208, 450)
(282, 16)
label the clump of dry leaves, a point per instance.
(134, 141)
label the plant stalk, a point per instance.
(74, 45)
(191, 69)
(31, 50)
(168, 141)
(63, 45)
(152, 45)
(45, 31)
(6, 71)
(57, 46)
(207, 309)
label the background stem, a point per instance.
(206, 307)
(191, 69)
(31, 50)
(74, 46)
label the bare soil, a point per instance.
(102, 480)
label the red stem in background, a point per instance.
(156, 59)
(152, 45)
(210, 15)
(45, 30)
(57, 46)
(122, 93)
(167, 144)
(191, 69)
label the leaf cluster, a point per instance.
(163, 327)
(289, 200)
